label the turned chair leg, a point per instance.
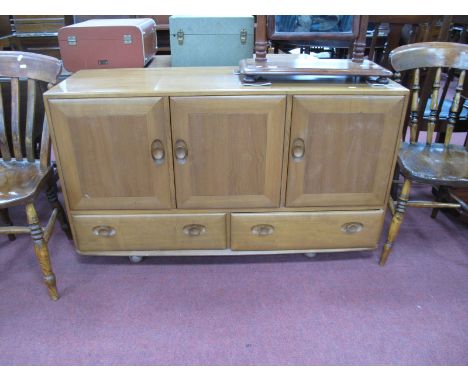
(396, 177)
(52, 196)
(396, 221)
(6, 220)
(41, 250)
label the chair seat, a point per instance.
(434, 164)
(20, 181)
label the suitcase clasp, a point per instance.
(243, 36)
(180, 37)
(71, 40)
(127, 39)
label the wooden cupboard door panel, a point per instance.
(110, 149)
(233, 150)
(306, 230)
(148, 232)
(342, 149)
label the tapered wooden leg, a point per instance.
(396, 221)
(52, 196)
(6, 220)
(41, 250)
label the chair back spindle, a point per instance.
(434, 107)
(414, 106)
(454, 109)
(29, 138)
(4, 148)
(15, 119)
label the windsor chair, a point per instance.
(436, 164)
(25, 167)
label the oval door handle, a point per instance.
(352, 227)
(157, 151)
(298, 149)
(180, 151)
(194, 229)
(263, 230)
(104, 231)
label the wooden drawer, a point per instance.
(306, 230)
(140, 232)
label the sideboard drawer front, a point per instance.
(306, 230)
(140, 232)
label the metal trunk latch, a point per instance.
(180, 37)
(243, 36)
(127, 39)
(71, 40)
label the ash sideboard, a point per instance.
(187, 161)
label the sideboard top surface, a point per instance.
(201, 81)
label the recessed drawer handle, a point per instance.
(181, 151)
(298, 149)
(157, 151)
(104, 231)
(262, 230)
(194, 229)
(352, 227)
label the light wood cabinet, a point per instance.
(188, 161)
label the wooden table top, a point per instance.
(160, 79)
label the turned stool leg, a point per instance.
(41, 250)
(396, 221)
(6, 220)
(52, 196)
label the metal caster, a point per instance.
(382, 80)
(249, 79)
(310, 255)
(135, 259)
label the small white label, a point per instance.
(23, 66)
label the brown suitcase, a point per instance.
(108, 43)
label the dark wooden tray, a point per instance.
(299, 64)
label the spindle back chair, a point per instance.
(420, 29)
(436, 164)
(25, 166)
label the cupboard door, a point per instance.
(342, 149)
(228, 150)
(114, 153)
